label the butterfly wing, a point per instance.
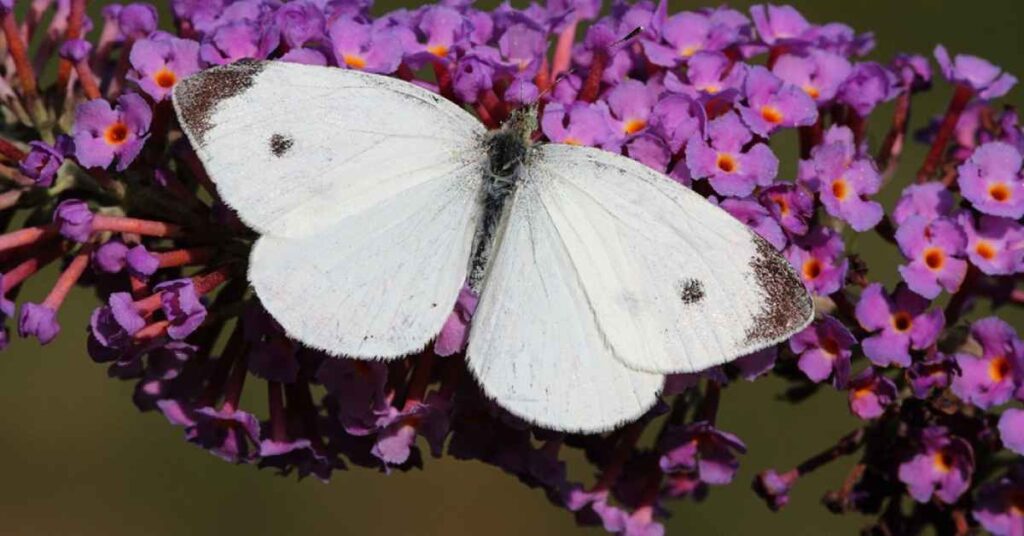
(675, 283)
(293, 148)
(365, 189)
(535, 345)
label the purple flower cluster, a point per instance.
(930, 365)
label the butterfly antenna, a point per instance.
(633, 33)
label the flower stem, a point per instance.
(27, 236)
(121, 224)
(68, 278)
(627, 440)
(17, 275)
(87, 80)
(26, 75)
(709, 406)
(184, 257)
(592, 85)
(236, 383)
(846, 445)
(961, 96)
(278, 421)
(73, 31)
(10, 151)
(420, 380)
(891, 149)
(563, 51)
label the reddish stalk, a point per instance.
(420, 380)
(563, 51)
(235, 385)
(630, 435)
(892, 147)
(10, 151)
(592, 85)
(961, 96)
(444, 81)
(87, 80)
(278, 422)
(811, 136)
(184, 257)
(26, 269)
(23, 66)
(121, 224)
(68, 278)
(74, 31)
(203, 284)
(27, 236)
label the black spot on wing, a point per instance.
(197, 96)
(280, 144)
(691, 291)
(786, 306)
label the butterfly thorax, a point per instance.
(507, 150)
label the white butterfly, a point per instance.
(375, 199)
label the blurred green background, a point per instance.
(77, 458)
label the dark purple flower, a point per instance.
(113, 325)
(901, 321)
(182, 307)
(843, 181)
(455, 333)
(358, 386)
(929, 200)
(934, 249)
(819, 73)
(824, 348)
(137, 20)
(75, 219)
(103, 132)
(994, 245)
(43, 160)
(990, 379)
(942, 466)
(364, 47)
(1011, 429)
(577, 124)
(1000, 504)
(931, 374)
(870, 394)
(141, 263)
(723, 158)
(791, 204)
(869, 85)
(987, 80)
(38, 320)
(701, 447)
(991, 180)
(758, 218)
(838, 38)
(913, 70)
(772, 103)
(228, 433)
(158, 64)
(818, 258)
(774, 487)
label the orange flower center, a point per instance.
(771, 114)
(780, 202)
(942, 461)
(438, 50)
(999, 368)
(999, 191)
(633, 126)
(812, 91)
(690, 50)
(902, 321)
(831, 346)
(354, 61)
(711, 89)
(811, 269)
(726, 162)
(116, 134)
(571, 141)
(934, 258)
(985, 250)
(165, 78)
(1016, 500)
(840, 188)
(862, 392)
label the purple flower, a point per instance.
(75, 50)
(75, 219)
(363, 47)
(102, 133)
(182, 307)
(900, 322)
(137, 20)
(1011, 429)
(141, 263)
(942, 466)
(779, 24)
(1000, 504)
(992, 378)
(819, 74)
(236, 40)
(712, 75)
(772, 103)
(630, 103)
(758, 218)
(934, 249)
(869, 85)
(994, 245)
(228, 433)
(929, 200)
(577, 124)
(687, 33)
(38, 320)
(299, 22)
(985, 79)
(650, 150)
(113, 325)
(774, 487)
(358, 386)
(791, 204)
(701, 447)
(110, 256)
(305, 56)
(441, 30)
(398, 430)
(929, 375)
(43, 160)
(824, 348)
(676, 118)
(991, 180)
(818, 258)
(722, 158)
(158, 64)
(843, 181)
(473, 74)
(455, 332)
(870, 394)
(913, 70)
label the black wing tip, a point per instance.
(197, 97)
(787, 306)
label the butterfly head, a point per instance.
(522, 123)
